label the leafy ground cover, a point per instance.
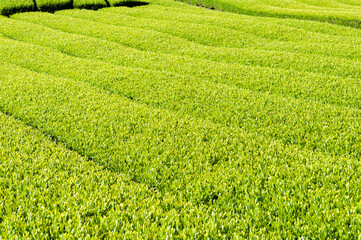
(342, 12)
(8, 7)
(172, 121)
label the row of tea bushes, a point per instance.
(9, 7)
(345, 13)
(195, 178)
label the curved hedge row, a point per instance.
(346, 13)
(9, 7)
(170, 121)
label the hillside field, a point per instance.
(343, 12)
(160, 119)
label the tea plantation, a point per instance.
(165, 120)
(343, 12)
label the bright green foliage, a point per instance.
(173, 95)
(286, 121)
(253, 50)
(340, 12)
(234, 31)
(41, 180)
(48, 191)
(8, 7)
(220, 161)
(172, 121)
(53, 5)
(273, 28)
(77, 45)
(89, 4)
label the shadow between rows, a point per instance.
(131, 4)
(92, 6)
(9, 11)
